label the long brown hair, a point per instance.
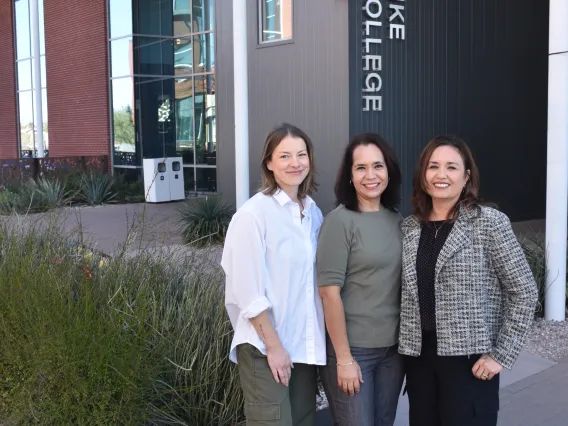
(422, 201)
(273, 139)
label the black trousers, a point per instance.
(442, 390)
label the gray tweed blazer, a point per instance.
(485, 292)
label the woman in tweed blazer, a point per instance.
(468, 294)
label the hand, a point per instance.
(486, 367)
(280, 364)
(349, 378)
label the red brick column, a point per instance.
(76, 50)
(8, 106)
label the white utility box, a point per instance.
(156, 180)
(163, 179)
(175, 173)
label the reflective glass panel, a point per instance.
(23, 46)
(124, 119)
(121, 57)
(189, 179)
(203, 15)
(153, 17)
(26, 113)
(205, 120)
(120, 18)
(276, 20)
(183, 56)
(154, 56)
(204, 52)
(24, 74)
(184, 119)
(182, 17)
(206, 179)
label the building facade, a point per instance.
(135, 79)
(408, 70)
(130, 79)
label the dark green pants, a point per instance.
(268, 403)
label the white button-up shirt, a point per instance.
(269, 262)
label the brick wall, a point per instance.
(8, 108)
(76, 50)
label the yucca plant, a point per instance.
(206, 221)
(97, 188)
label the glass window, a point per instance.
(121, 57)
(24, 74)
(184, 119)
(120, 12)
(153, 56)
(124, 120)
(182, 17)
(23, 45)
(204, 56)
(275, 20)
(154, 17)
(189, 179)
(183, 56)
(206, 179)
(203, 15)
(26, 113)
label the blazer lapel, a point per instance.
(459, 237)
(410, 244)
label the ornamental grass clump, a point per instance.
(89, 339)
(205, 221)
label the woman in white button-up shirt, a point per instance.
(271, 297)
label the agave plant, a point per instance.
(41, 194)
(97, 188)
(206, 221)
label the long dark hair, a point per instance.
(422, 201)
(273, 139)
(345, 192)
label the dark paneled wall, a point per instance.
(475, 68)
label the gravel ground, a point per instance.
(548, 339)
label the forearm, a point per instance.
(336, 327)
(265, 330)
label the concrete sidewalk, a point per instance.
(533, 393)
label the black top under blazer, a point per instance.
(485, 292)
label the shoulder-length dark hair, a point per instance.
(345, 192)
(273, 139)
(422, 201)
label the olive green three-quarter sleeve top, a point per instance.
(361, 252)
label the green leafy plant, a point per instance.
(97, 188)
(205, 221)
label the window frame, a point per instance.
(277, 42)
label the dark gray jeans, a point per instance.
(376, 403)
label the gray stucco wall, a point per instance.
(304, 82)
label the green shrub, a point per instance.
(97, 188)
(129, 192)
(205, 221)
(89, 340)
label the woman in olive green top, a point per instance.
(359, 272)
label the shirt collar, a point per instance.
(284, 199)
